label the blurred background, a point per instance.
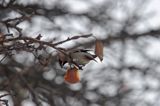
(129, 75)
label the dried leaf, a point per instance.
(2, 37)
(61, 56)
(99, 49)
(72, 75)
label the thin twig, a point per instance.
(34, 95)
(73, 38)
(47, 43)
(4, 100)
(34, 40)
(1, 96)
(3, 58)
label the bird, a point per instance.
(78, 57)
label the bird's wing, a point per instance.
(81, 50)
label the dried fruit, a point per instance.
(62, 59)
(99, 49)
(2, 38)
(72, 75)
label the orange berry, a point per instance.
(72, 75)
